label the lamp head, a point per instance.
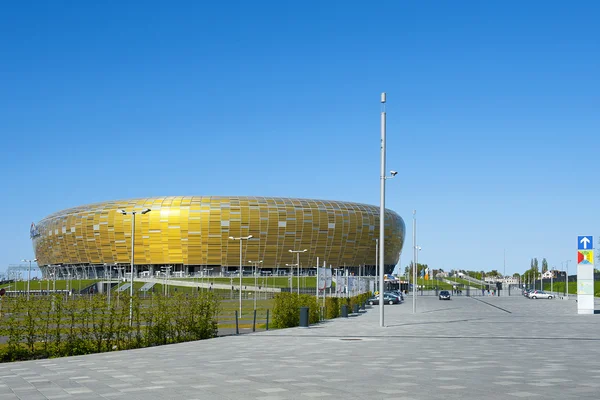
(394, 173)
(249, 236)
(231, 238)
(122, 211)
(145, 211)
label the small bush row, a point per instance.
(55, 326)
(286, 308)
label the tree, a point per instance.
(516, 275)
(420, 267)
(544, 265)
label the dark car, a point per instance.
(444, 295)
(388, 299)
(396, 293)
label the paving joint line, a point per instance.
(492, 305)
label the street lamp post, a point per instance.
(241, 238)
(291, 278)
(414, 291)
(422, 287)
(376, 261)
(504, 272)
(382, 179)
(255, 283)
(109, 268)
(567, 279)
(133, 212)
(167, 271)
(54, 278)
(29, 274)
(298, 263)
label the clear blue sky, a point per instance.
(493, 114)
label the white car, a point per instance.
(540, 294)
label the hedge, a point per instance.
(55, 326)
(286, 309)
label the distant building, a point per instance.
(550, 274)
(507, 280)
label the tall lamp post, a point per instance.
(382, 178)
(241, 238)
(298, 263)
(29, 274)
(255, 283)
(414, 291)
(291, 278)
(504, 274)
(133, 212)
(376, 261)
(109, 268)
(422, 271)
(567, 280)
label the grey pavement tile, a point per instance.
(469, 351)
(523, 394)
(270, 398)
(32, 396)
(273, 390)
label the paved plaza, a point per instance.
(466, 348)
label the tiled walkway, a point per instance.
(484, 348)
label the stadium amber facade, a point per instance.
(193, 233)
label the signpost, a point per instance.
(585, 275)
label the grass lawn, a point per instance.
(432, 284)
(44, 284)
(271, 281)
(468, 283)
(572, 288)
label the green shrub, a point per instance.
(332, 307)
(306, 300)
(54, 326)
(286, 312)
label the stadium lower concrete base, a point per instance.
(466, 348)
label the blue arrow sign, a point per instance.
(585, 242)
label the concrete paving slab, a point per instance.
(466, 348)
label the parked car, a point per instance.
(387, 298)
(444, 295)
(396, 293)
(540, 294)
